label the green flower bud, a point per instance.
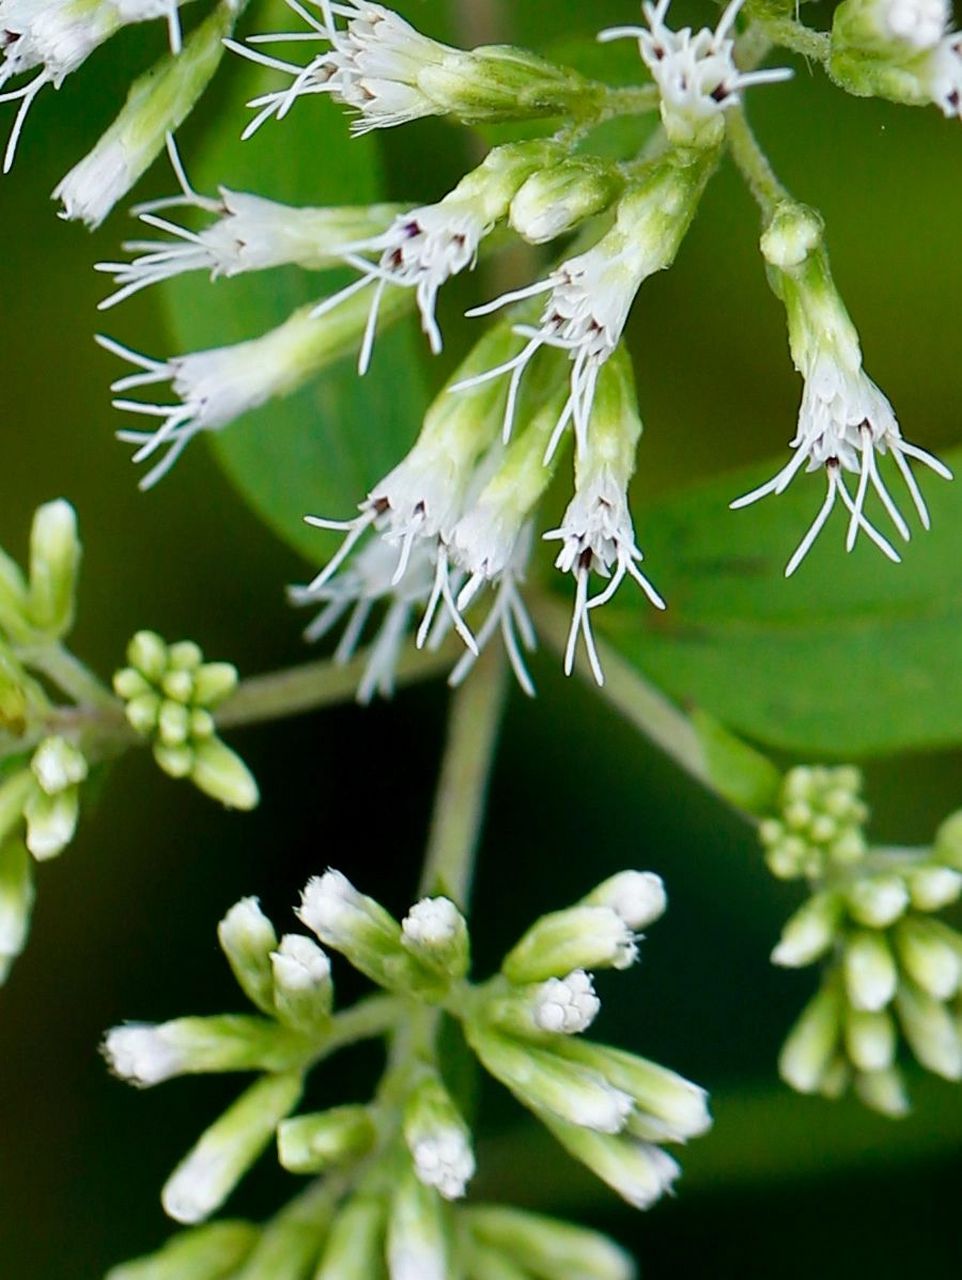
(13, 599)
(810, 933)
(933, 1036)
(303, 990)
(883, 1091)
(947, 846)
(931, 955)
(578, 938)
(54, 565)
(16, 901)
(212, 1169)
(932, 888)
(247, 939)
(51, 822)
(871, 977)
(178, 685)
(142, 712)
(148, 654)
(176, 762)
(418, 1245)
(173, 724)
(316, 1143)
(354, 1248)
(792, 233)
(289, 1244)
(545, 1081)
(223, 775)
(878, 901)
(547, 1248)
(202, 725)
(14, 792)
(213, 682)
(640, 1172)
(185, 656)
(145, 1054)
(556, 200)
(212, 1252)
(130, 684)
(870, 1040)
(809, 1051)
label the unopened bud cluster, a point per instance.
(609, 1108)
(170, 693)
(890, 970)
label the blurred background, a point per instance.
(125, 921)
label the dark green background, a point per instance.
(125, 921)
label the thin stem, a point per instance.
(71, 676)
(639, 702)
(793, 35)
(753, 163)
(369, 1019)
(318, 684)
(476, 711)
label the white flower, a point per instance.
(696, 73)
(945, 75)
(597, 537)
(144, 1055)
(57, 36)
(843, 423)
(637, 897)
(299, 964)
(421, 251)
(567, 1005)
(432, 922)
(919, 23)
(372, 65)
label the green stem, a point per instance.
(369, 1019)
(639, 702)
(793, 35)
(753, 163)
(318, 684)
(476, 712)
(72, 677)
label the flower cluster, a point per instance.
(888, 966)
(392, 1171)
(169, 693)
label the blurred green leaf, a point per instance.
(320, 450)
(851, 657)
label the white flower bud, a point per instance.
(359, 928)
(578, 938)
(808, 1053)
(145, 1054)
(247, 939)
(638, 897)
(793, 231)
(557, 199)
(548, 1247)
(931, 955)
(208, 1174)
(417, 1242)
(436, 933)
(58, 765)
(303, 990)
(932, 888)
(933, 1035)
(810, 932)
(201, 1253)
(878, 901)
(54, 565)
(567, 1005)
(871, 977)
(316, 1143)
(870, 1040)
(438, 1139)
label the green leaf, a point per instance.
(320, 450)
(851, 657)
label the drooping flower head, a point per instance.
(696, 73)
(596, 532)
(845, 422)
(590, 296)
